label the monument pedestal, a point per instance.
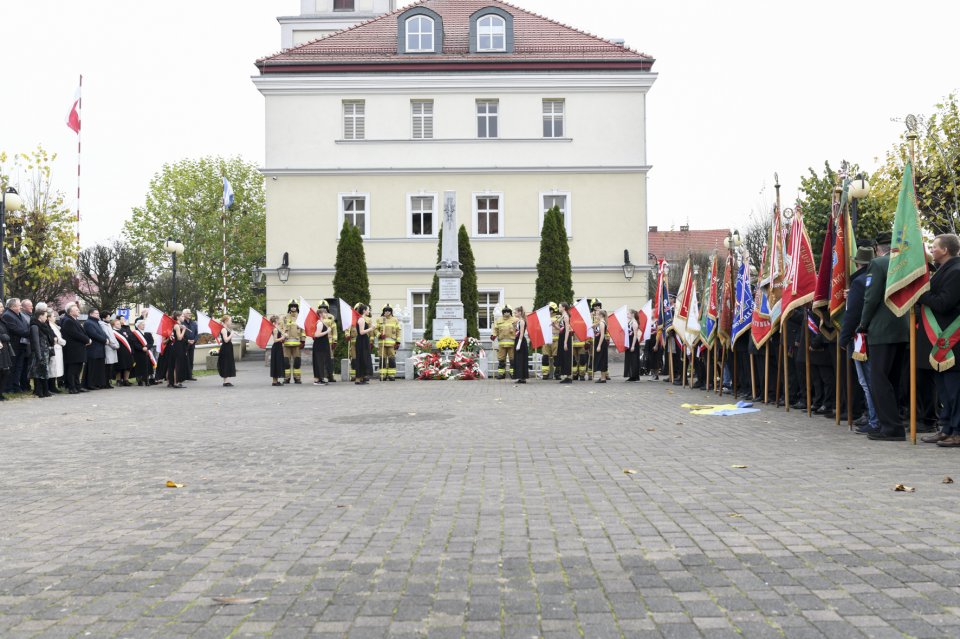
(449, 318)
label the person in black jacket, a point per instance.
(41, 344)
(848, 329)
(95, 374)
(193, 333)
(6, 360)
(941, 308)
(19, 332)
(75, 350)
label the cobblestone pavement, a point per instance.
(463, 509)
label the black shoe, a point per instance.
(863, 420)
(829, 414)
(799, 406)
(331, 380)
(883, 437)
(866, 429)
(600, 381)
(191, 379)
(566, 380)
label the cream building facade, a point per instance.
(513, 112)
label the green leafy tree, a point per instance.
(468, 285)
(185, 202)
(159, 292)
(350, 282)
(816, 199)
(40, 246)
(434, 296)
(554, 276)
(110, 275)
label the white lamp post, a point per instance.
(174, 249)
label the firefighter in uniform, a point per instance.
(548, 354)
(331, 322)
(505, 332)
(388, 332)
(292, 343)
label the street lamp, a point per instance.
(859, 188)
(732, 240)
(256, 281)
(629, 269)
(284, 271)
(10, 201)
(174, 249)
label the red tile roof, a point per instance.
(539, 42)
(674, 245)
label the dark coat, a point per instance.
(75, 349)
(851, 318)
(883, 327)
(19, 331)
(97, 349)
(943, 299)
(6, 358)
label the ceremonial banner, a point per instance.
(708, 326)
(776, 269)
(685, 321)
(760, 325)
(725, 324)
(743, 310)
(844, 247)
(907, 276)
(821, 293)
(801, 273)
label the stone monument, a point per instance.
(449, 315)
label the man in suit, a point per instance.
(19, 331)
(95, 375)
(75, 349)
(851, 319)
(887, 338)
(192, 333)
(941, 308)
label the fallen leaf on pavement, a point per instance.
(629, 471)
(173, 484)
(738, 515)
(651, 429)
(900, 488)
(411, 414)
(679, 424)
(739, 466)
(237, 600)
(948, 479)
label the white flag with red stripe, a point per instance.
(208, 325)
(580, 320)
(618, 325)
(646, 322)
(73, 117)
(258, 329)
(859, 347)
(540, 327)
(307, 318)
(348, 316)
(158, 322)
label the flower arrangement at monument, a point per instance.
(466, 363)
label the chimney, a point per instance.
(652, 229)
(684, 228)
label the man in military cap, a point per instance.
(331, 322)
(505, 333)
(292, 343)
(887, 337)
(548, 354)
(388, 331)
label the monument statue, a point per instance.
(449, 318)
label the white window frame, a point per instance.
(567, 214)
(436, 215)
(342, 213)
(424, 119)
(500, 301)
(417, 332)
(351, 132)
(554, 117)
(476, 213)
(496, 27)
(495, 117)
(420, 34)
(353, 6)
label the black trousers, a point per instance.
(95, 374)
(948, 388)
(72, 376)
(322, 364)
(886, 363)
(824, 384)
(21, 361)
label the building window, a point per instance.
(354, 120)
(343, 5)
(419, 302)
(491, 34)
(561, 199)
(421, 217)
(488, 214)
(422, 119)
(419, 34)
(553, 118)
(355, 210)
(489, 302)
(487, 118)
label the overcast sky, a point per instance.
(745, 88)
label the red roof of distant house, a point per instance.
(539, 43)
(674, 245)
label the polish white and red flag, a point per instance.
(73, 117)
(580, 320)
(258, 329)
(646, 322)
(540, 327)
(348, 316)
(158, 322)
(618, 325)
(208, 325)
(307, 318)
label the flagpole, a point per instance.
(912, 138)
(223, 226)
(806, 362)
(786, 366)
(79, 129)
(766, 372)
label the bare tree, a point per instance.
(110, 275)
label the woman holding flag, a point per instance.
(226, 363)
(564, 352)
(176, 353)
(521, 364)
(364, 328)
(602, 345)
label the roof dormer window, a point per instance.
(491, 33)
(420, 34)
